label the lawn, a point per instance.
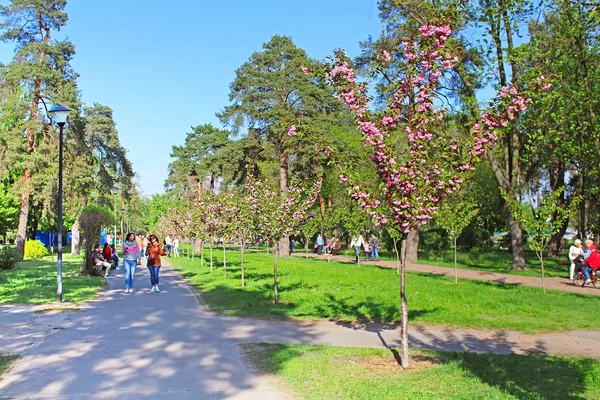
(492, 260)
(314, 289)
(322, 372)
(5, 363)
(35, 282)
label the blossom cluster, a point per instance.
(435, 164)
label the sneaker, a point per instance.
(107, 276)
(131, 290)
(153, 289)
(126, 291)
(156, 289)
(587, 281)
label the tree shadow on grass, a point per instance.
(245, 303)
(530, 377)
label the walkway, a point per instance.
(554, 283)
(156, 346)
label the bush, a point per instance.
(34, 250)
(8, 257)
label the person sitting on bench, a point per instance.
(99, 261)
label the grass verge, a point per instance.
(5, 362)
(324, 372)
(34, 282)
(314, 289)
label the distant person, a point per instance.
(176, 248)
(131, 254)
(357, 243)
(99, 261)
(140, 241)
(367, 250)
(107, 253)
(114, 257)
(374, 244)
(575, 252)
(320, 243)
(154, 251)
(593, 263)
(168, 244)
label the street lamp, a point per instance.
(122, 225)
(114, 191)
(59, 114)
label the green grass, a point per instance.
(5, 362)
(321, 372)
(35, 282)
(314, 289)
(493, 260)
(496, 261)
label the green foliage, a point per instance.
(324, 372)
(544, 220)
(9, 211)
(34, 250)
(8, 257)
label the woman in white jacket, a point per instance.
(575, 251)
(357, 242)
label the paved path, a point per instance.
(554, 283)
(156, 346)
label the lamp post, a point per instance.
(59, 114)
(114, 191)
(122, 224)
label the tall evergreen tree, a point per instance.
(270, 93)
(41, 69)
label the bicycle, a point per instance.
(579, 279)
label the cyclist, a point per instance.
(592, 262)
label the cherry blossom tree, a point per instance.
(275, 217)
(418, 161)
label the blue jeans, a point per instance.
(154, 274)
(374, 253)
(129, 272)
(586, 272)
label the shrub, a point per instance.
(8, 257)
(34, 250)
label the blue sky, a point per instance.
(166, 66)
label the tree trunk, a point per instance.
(212, 182)
(455, 266)
(275, 291)
(322, 206)
(23, 216)
(412, 246)
(541, 257)
(224, 259)
(397, 256)
(404, 306)
(242, 257)
(75, 239)
(284, 243)
(516, 238)
(306, 247)
(211, 260)
(555, 245)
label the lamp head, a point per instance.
(114, 190)
(59, 113)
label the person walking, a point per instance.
(320, 243)
(176, 248)
(131, 254)
(374, 243)
(153, 252)
(357, 242)
(574, 252)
